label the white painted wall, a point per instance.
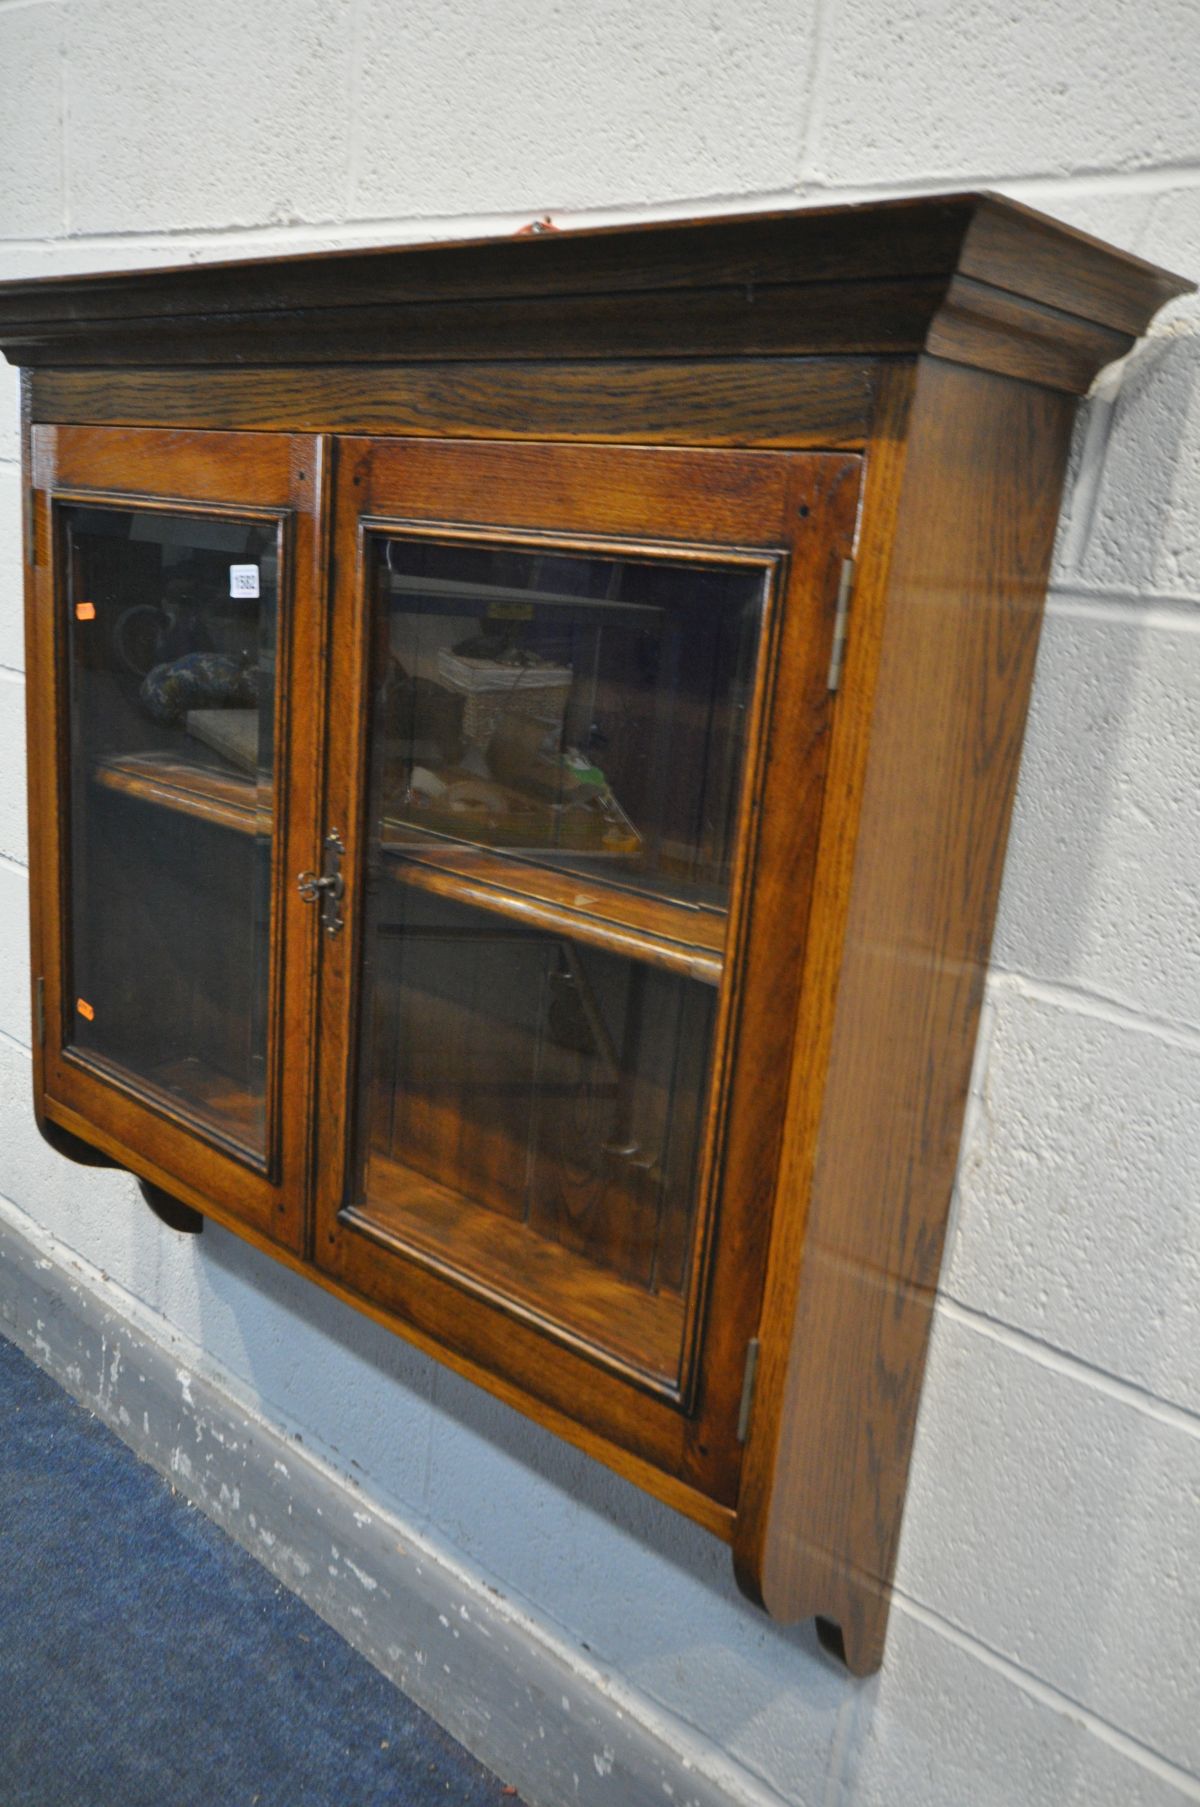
(1045, 1647)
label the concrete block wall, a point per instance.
(1045, 1645)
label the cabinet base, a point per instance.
(72, 1147)
(171, 1211)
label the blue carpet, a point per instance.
(147, 1661)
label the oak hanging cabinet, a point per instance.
(521, 743)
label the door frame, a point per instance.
(796, 509)
(263, 476)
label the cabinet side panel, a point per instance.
(974, 534)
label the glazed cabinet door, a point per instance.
(579, 700)
(173, 671)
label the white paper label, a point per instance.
(243, 580)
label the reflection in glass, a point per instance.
(171, 649)
(584, 710)
(557, 742)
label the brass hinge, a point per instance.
(841, 621)
(39, 1009)
(749, 1376)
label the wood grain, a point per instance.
(782, 402)
(511, 1264)
(665, 935)
(895, 317)
(1015, 247)
(990, 329)
(835, 279)
(240, 471)
(703, 500)
(921, 790)
(168, 782)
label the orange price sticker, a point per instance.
(85, 1009)
(85, 611)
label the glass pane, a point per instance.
(556, 751)
(171, 672)
(588, 712)
(533, 1117)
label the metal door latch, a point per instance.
(330, 888)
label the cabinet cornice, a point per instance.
(977, 279)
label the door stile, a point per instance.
(343, 815)
(302, 784)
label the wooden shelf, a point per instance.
(214, 1098)
(225, 799)
(680, 938)
(193, 1089)
(540, 1280)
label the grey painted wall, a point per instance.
(1044, 1645)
